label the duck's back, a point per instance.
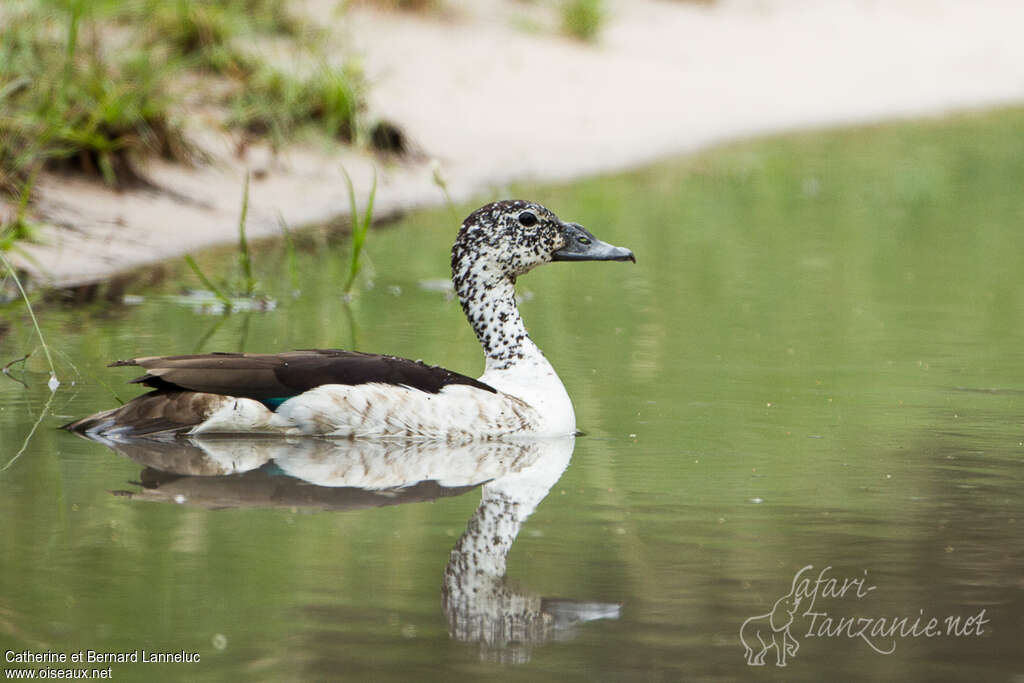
(272, 378)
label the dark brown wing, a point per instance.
(278, 376)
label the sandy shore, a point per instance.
(493, 96)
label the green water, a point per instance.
(817, 360)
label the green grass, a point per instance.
(244, 257)
(279, 104)
(408, 5)
(360, 228)
(19, 228)
(208, 283)
(206, 34)
(96, 88)
(582, 19)
(247, 289)
(68, 105)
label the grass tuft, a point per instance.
(409, 5)
(92, 86)
(206, 34)
(583, 19)
(66, 104)
(19, 228)
(278, 104)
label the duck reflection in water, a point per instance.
(514, 477)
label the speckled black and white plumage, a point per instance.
(492, 249)
(351, 394)
(497, 244)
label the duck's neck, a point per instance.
(515, 365)
(489, 302)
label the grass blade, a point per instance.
(244, 260)
(35, 323)
(24, 445)
(75, 9)
(368, 215)
(360, 226)
(207, 283)
(289, 250)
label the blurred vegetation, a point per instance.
(69, 104)
(204, 31)
(278, 104)
(582, 18)
(17, 226)
(95, 87)
(408, 5)
(585, 19)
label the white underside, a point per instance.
(457, 412)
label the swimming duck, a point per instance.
(353, 394)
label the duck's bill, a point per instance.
(580, 245)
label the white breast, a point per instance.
(534, 381)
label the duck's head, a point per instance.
(510, 237)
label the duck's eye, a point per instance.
(527, 219)
(583, 240)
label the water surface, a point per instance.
(817, 361)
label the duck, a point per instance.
(345, 393)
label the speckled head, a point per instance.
(496, 244)
(513, 236)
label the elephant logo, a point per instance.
(766, 631)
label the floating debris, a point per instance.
(445, 286)
(205, 302)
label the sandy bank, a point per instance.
(494, 98)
